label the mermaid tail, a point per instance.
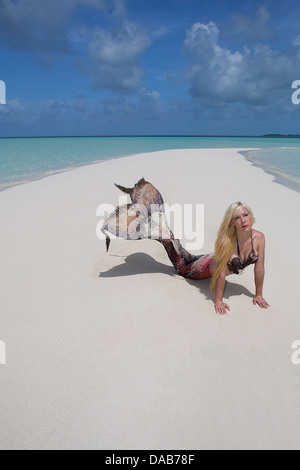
(145, 218)
(187, 265)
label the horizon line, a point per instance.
(145, 135)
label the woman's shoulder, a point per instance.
(258, 236)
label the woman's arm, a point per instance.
(220, 306)
(259, 274)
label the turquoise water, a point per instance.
(285, 161)
(25, 159)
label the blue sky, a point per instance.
(149, 67)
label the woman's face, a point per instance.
(242, 220)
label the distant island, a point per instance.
(282, 135)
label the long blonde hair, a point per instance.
(226, 240)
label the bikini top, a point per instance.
(237, 264)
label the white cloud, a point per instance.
(150, 95)
(115, 54)
(201, 38)
(120, 46)
(217, 75)
(160, 32)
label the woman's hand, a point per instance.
(260, 301)
(220, 307)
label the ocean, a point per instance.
(26, 159)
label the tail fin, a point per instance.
(143, 193)
(125, 190)
(135, 191)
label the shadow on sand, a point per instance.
(138, 263)
(141, 263)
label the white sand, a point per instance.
(137, 358)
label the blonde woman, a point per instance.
(237, 246)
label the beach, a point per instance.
(117, 351)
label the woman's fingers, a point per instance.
(261, 302)
(221, 308)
